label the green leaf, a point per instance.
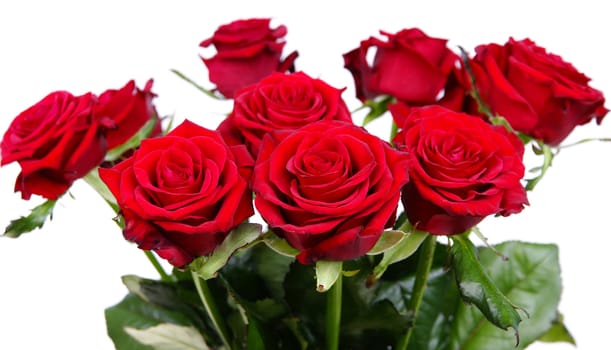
(135, 313)
(37, 218)
(210, 93)
(387, 240)
(377, 108)
(558, 332)
(400, 251)
(255, 336)
(168, 336)
(529, 278)
(327, 273)
(207, 266)
(477, 288)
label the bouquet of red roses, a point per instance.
(291, 227)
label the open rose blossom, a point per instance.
(246, 51)
(410, 66)
(125, 111)
(462, 169)
(539, 93)
(56, 141)
(329, 188)
(281, 102)
(182, 193)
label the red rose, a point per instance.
(410, 66)
(537, 92)
(246, 51)
(180, 194)
(56, 141)
(125, 111)
(462, 169)
(329, 188)
(281, 102)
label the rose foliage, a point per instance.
(289, 226)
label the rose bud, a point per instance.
(410, 66)
(246, 51)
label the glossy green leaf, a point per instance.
(530, 278)
(36, 219)
(327, 273)
(207, 266)
(168, 336)
(558, 333)
(477, 288)
(400, 251)
(135, 313)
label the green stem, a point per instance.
(213, 312)
(334, 312)
(164, 276)
(425, 262)
(393, 130)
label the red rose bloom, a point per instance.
(181, 194)
(537, 92)
(329, 188)
(462, 169)
(125, 111)
(281, 102)
(410, 66)
(56, 141)
(246, 51)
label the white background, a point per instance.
(55, 283)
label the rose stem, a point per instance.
(334, 313)
(425, 261)
(393, 130)
(211, 309)
(93, 179)
(164, 276)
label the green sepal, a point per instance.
(144, 132)
(36, 219)
(279, 245)
(387, 240)
(377, 108)
(400, 251)
(208, 266)
(327, 272)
